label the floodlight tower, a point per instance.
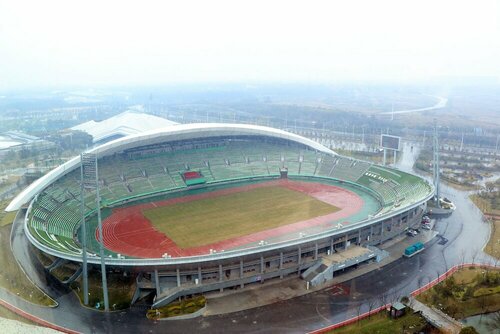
(90, 180)
(436, 163)
(84, 236)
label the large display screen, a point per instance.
(390, 142)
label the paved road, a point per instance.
(465, 230)
(441, 103)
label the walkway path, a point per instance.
(14, 326)
(437, 318)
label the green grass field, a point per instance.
(381, 323)
(210, 220)
(467, 292)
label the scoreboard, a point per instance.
(390, 142)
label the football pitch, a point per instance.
(210, 220)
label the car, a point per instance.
(426, 226)
(443, 241)
(411, 233)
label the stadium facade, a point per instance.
(144, 166)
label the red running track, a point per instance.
(128, 232)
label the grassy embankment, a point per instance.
(8, 314)
(6, 218)
(381, 323)
(490, 206)
(467, 292)
(120, 290)
(12, 277)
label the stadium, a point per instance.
(194, 208)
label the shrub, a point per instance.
(468, 330)
(185, 306)
(469, 293)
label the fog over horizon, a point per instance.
(92, 43)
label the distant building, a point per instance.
(121, 125)
(17, 141)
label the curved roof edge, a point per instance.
(173, 132)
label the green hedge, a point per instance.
(186, 306)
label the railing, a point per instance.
(237, 253)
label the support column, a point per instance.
(299, 259)
(241, 274)
(359, 237)
(157, 283)
(281, 265)
(345, 242)
(200, 277)
(315, 250)
(261, 264)
(220, 276)
(178, 277)
(331, 245)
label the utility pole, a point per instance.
(84, 237)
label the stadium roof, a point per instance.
(169, 133)
(121, 125)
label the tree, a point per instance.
(494, 323)
(489, 186)
(383, 299)
(462, 256)
(475, 253)
(358, 310)
(483, 304)
(371, 306)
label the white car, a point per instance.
(411, 232)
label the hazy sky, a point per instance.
(58, 43)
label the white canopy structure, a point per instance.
(124, 124)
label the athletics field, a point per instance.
(233, 217)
